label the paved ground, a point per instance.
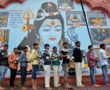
(76, 88)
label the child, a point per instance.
(23, 66)
(55, 63)
(91, 63)
(13, 66)
(47, 66)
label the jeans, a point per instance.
(104, 74)
(92, 74)
(12, 76)
(23, 74)
(35, 68)
(3, 70)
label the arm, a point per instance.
(62, 56)
(32, 55)
(1, 57)
(91, 57)
(10, 59)
(104, 56)
(20, 58)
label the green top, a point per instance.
(55, 61)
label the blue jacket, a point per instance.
(46, 56)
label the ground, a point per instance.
(75, 88)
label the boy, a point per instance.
(47, 66)
(3, 64)
(78, 64)
(104, 63)
(64, 54)
(13, 66)
(55, 64)
(91, 63)
(23, 66)
(35, 65)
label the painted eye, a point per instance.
(46, 30)
(58, 30)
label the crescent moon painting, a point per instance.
(72, 34)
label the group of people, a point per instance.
(12, 60)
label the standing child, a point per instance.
(35, 65)
(64, 54)
(13, 66)
(23, 66)
(104, 63)
(47, 66)
(91, 63)
(55, 64)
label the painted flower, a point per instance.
(58, 11)
(38, 14)
(51, 14)
(49, 4)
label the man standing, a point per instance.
(47, 66)
(3, 64)
(13, 66)
(35, 65)
(23, 66)
(55, 64)
(78, 64)
(91, 63)
(64, 54)
(104, 63)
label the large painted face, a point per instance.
(51, 31)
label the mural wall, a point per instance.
(52, 22)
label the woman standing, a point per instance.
(13, 67)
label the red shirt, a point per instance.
(13, 57)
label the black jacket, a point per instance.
(3, 59)
(77, 54)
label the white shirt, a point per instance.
(102, 57)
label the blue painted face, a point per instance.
(51, 31)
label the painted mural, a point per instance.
(96, 18)
(52, 22)
(100, 35)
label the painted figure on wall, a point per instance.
(4, 37)
(48, 28)
(65, 4)
(101, 35)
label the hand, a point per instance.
(7, 56)
(37, 57)
(51, 57)
(70, 56)
(83, 56)
(15, 60)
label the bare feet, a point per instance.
(23, 88)
(67, 86)
(37, 86)
(95, 85)
(82, 86)
(107, 85)
(2, 88)
(11, 88)
(34, 87)
(48, 88)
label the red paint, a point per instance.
(5, 3)
(100, 5)
(52, 39)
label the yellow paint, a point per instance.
(97, 20)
